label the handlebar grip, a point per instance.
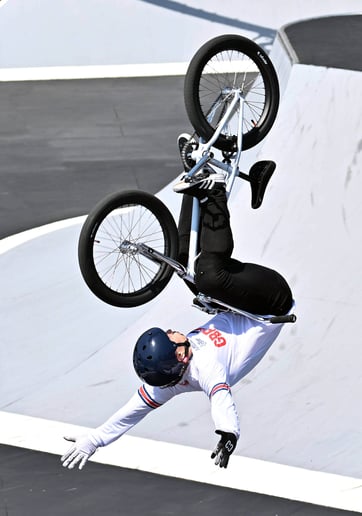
(283, 319)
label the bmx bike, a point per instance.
(128, 245)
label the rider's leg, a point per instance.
(184, 227)
(246, 286)
(215, 234)
(186, 144)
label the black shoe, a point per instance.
(186, 145)
(259, 176)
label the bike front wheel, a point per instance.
(108, 260)
(221, 66)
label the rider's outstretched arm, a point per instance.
(118, 424)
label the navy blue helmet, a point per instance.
(154, 359)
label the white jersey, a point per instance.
(225, 349)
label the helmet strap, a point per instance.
(186, 346)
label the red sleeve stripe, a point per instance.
(146, 398)
(219, 387)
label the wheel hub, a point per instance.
(128, 248)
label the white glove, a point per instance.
(78, 453)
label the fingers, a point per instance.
(72, 458)
(79, 459)
(79, 453)
(68, 458)
(216, 451)
(67, 455)
(82, 462)
(221, 458)
(224, 448)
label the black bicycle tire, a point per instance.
(266, 68)
(86, 243)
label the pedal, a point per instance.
(204, 307)
(202, 303)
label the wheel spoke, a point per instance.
(224, 72)
(126, 271)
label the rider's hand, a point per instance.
(79, 453)
(224, 448)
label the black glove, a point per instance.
(224, 448)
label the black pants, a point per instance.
(247, 286)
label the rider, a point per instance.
(213, 357)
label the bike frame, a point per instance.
(203, 156)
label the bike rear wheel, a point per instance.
(111, 268)
(220, 66)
